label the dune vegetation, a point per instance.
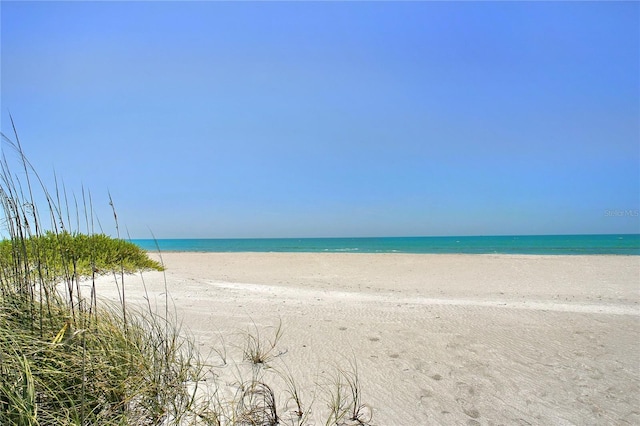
(69, 358)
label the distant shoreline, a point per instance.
(600, 244)
(501, 255)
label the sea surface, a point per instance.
(619, 244)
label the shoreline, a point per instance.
(617, 244)
(437, 338)
(359, 253)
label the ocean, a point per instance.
(618, 244)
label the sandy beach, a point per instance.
(437, 339)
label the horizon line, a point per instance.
(380, 237)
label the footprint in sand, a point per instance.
(425, 393)
(468, 408)
(465, 389)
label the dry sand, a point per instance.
(438, 339)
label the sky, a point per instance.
(328, 119)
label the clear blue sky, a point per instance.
(220, 119)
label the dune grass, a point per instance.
(67, 358)
(104, 373)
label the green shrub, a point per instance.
(63, 254)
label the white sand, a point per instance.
(438, 339)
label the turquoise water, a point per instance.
(625, 244)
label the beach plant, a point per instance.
(300, 412)
(256, 406)
(260, 350)
(345, 399)
(359, 413)
(68, 357)
(82, 255)
(64, 357)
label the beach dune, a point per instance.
(437, 339)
